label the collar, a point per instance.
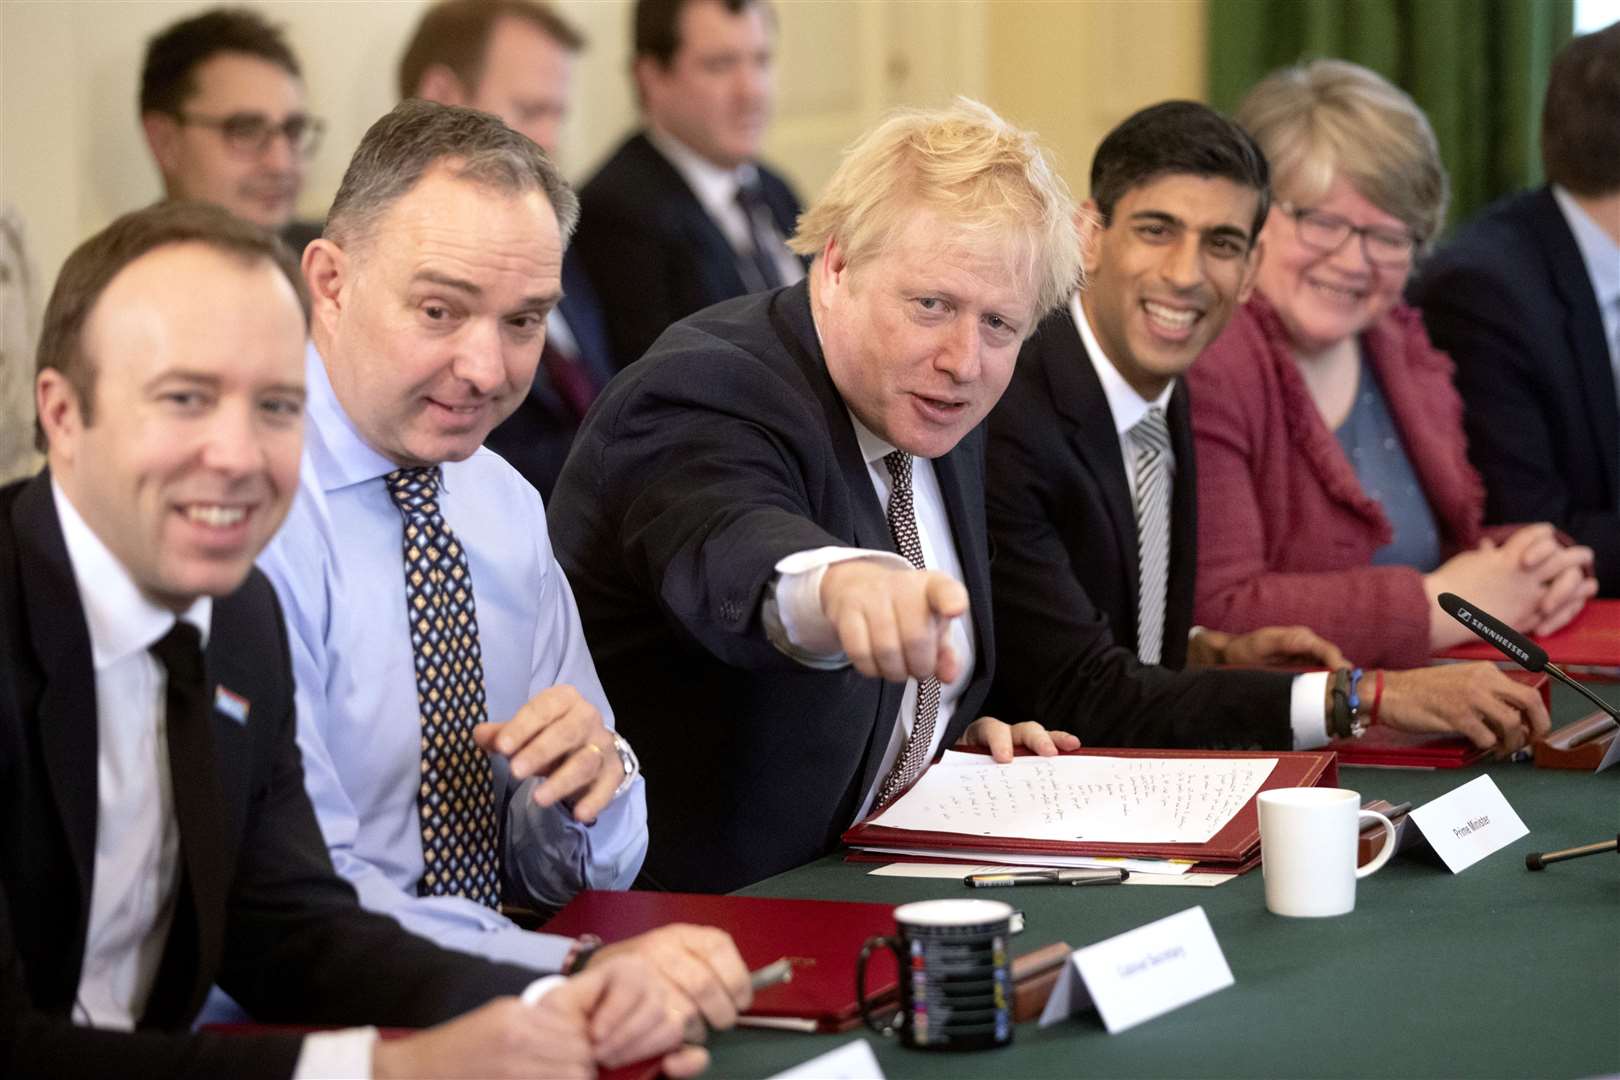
(333, 446)
(121, 619)
(1598, 250)
(1127, 406)
(715, 188)
(873, 448)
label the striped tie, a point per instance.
(1151, 438)
(903, 527)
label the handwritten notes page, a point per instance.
(1098, 799)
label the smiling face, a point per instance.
(1166, 273)
(196, 162)
(715, 96)
(431, 326)
(920, 339)
(525, 81)
(192, 458)
(1324, 299)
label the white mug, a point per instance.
(1308, 849)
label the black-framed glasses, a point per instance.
(249, 134)
(1319, 231)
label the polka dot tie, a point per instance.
(903, 527)
(456, 798)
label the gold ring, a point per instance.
(593, 746)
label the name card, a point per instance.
(852, 1061)
(1465, 825)
(1142, 973)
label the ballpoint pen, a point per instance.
(1046, 877)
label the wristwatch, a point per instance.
(628, 762)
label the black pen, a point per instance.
(1046, 877)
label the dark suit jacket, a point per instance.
(652, 251)
(536, 437)
(1510, 300)
(274, 925)
(724, 449)
(1065, 574)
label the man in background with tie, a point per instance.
(457, 745)
(683, 215)
(154, 830)
(1091, 490)
(774, 522)
(515, 58)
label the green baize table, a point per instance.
(1495, 971)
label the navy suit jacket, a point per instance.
(536, 438)
(652, 250)
(1065, 574)
(1509, 299)
(724, 449)
(273, 924)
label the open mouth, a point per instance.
(939, 410)
(1175, 323)
(1338, 294)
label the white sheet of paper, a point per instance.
(1002, 860)
(958, 871)
(1468, 823)
(1123, 800)
(1142, 973)
(852, 1061)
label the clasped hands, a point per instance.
(894, 623)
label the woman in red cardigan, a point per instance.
(1334, 488)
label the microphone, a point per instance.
(1526, 653)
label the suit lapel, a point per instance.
(1088, 426)
(718, 253)
(1583, 329)
(67, 705)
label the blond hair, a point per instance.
(967, 165)
(1331, 118)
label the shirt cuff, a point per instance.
(1305, 710)
(793, 617)
(540, 988)
(336, 1055)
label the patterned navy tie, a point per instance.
(903, 527)
(1151, 438)
(456, 798)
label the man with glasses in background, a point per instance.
(222, 107)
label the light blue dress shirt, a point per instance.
(338, 569)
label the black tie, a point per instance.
(759, 266)
(199, 808)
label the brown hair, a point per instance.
(94, 264)
(456, 34)
(1580, 119)
(168, 75)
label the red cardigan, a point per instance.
(1285, 533)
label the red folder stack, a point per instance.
(1590, 643)
(1385, 747)
(821, 937)
(1235, 849)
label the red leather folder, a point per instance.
(1388, 748)
(821, 937)
(1591, 640)
(1234, 849)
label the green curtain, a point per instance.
(1477, 67)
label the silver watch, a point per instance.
(628, 762)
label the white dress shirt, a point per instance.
(716, 189)
(811, 638)
(1305, 703)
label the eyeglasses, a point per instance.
(1391, 248)
(249, 134)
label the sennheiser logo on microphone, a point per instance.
(1485, 631)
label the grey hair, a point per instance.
(401, 147)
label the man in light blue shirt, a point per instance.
(457, 744)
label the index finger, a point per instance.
(537, 714)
